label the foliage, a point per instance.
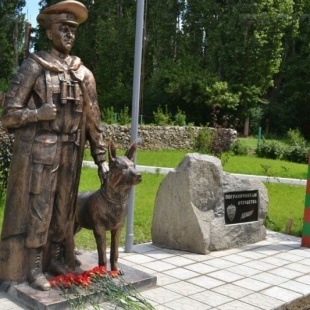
(214, 141)
(203, 140)
(295, 137)
(124, 117)
(11, 38)
(219, 95)
(6, 148)
(180, 118)
(162, 118)
(296, 150)
(249, 57)
(108, 115)
(296, 154)
(239, 148)
(269, 150)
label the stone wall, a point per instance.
(158, 137)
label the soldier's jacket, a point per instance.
(44, 78)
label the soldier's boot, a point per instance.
(35, 276)
(57, 265)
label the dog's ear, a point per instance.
(112, 151)
(131, 151)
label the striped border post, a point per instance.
(305, 239)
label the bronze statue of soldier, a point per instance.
(52, 109)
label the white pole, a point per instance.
(135, 114)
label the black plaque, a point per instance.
(241, 207)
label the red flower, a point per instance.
(114, 273)
(54, 282)
(99, 270)
(60, 279)
(82, 280)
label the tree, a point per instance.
(240, 42)
(11, 38)
(290, 96)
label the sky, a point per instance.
(31, 10)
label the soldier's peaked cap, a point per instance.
(68, 11)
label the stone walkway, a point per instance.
(266, 275)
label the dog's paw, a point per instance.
(77, 262)
(77, 252)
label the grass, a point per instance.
(285, 201)
(263, 166)
(235, 164)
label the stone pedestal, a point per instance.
(190, 209)
(51, 300)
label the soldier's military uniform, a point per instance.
(48, 154)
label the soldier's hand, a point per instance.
(103, 169)
(47, 112)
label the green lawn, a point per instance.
(234, 164)
(285, 201)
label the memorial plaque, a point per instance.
(241, 207)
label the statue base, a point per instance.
(50, 300)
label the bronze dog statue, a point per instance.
(106, 208)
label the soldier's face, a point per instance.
(62, 37)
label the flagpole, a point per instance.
(135, 115)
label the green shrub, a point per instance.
(239, 148)
(162, 118)
(295, 137)
(6, 148)
(180, 118)
(203, 140)
(270, 150)
(296, 154)
(108, 115)
(124, 117)
(211, 141)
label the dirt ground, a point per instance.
(301, 304)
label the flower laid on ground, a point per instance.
(82, 280)
(96, 285)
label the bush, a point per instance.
(203, 140)
(161, 118)
(295, 137)
(6, 148)
(296, 154)
(269, 150)
(108, 115)
(124, 117)
(180, 118)
(211, 141)
(239, 148)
